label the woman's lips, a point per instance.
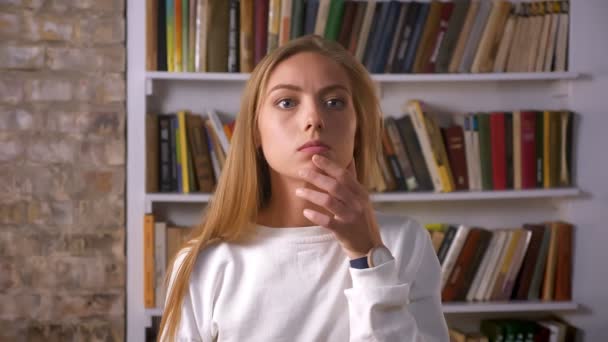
(314, 149)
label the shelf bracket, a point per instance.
(149, 87)
(148, 206)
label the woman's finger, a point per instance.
(324, 200)
(337, 172)
(318, 218)
(327, 183)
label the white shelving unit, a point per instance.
(155, 92)
(463, 308)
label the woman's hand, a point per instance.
(353, 221)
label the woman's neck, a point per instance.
(284, 208)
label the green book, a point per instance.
(297, 19)
(485, 151)
(334, 19)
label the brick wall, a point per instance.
(62, 170)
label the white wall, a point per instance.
(589, 46)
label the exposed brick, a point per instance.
(49, 90)
(31, 4)
(11, 146)
(51, 149)
(105, 212)
(17, 119)
(111, 59)
(21, 57)
(11, 89)
(48, 27)
(10, 24)
(100, 31)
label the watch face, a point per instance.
(380, 255)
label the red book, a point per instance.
(454, 140)
(260, 30)
(499, 156)
(528, 150)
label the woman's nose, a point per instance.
(314, 119)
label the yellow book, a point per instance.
(274, 24)
(414, 108)
(506, 263)
(149, 261)
(549, 275)
(183, 150)
(170, 36)
(440, 157)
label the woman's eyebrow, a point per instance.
(296, 88)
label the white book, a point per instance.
(483, 267)
(544, 42)
(555, 19)
(487, 295)
(365, 28)
(453, 253)
(200, 48)
(218, 127)
(561, 49)
(468, 145)
(472, 44)
(285, 28)
(496, 250)
(322, 14)
(515, 267)
(506, 42)
(160, 261)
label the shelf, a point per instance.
(512, 306)
(404, 78)
(494, 307)
(398, 196)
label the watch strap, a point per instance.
(359, 263)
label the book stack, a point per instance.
(476, 151)
(468, 36)
(505, 329)
(162, 241)
(531, 263)
(185, 152)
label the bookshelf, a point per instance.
(158, 91)
(463, 308)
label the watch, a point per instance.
(375, 257)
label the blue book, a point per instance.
(406, 36)
(375, 30)
(312, 7)
(410, 55)
(178, 162)
(388, 32)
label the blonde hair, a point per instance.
(244, 186)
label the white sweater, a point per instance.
(296, 284)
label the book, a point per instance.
(149, 266)
(246, 37)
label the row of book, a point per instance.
(386, 36)
(185, 152)
(162, 241)
(425, 151)
(529, 263)
(547, 329)
(478, 151)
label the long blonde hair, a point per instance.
(244, 186)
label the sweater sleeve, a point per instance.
(386, 305)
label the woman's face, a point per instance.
(307, 109)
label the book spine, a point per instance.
(233, 37)
(149, 261)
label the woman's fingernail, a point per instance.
(299, 192)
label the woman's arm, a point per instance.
(386, 307)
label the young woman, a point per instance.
(290, 249)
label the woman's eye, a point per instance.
(335, 103)
(286, 103)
